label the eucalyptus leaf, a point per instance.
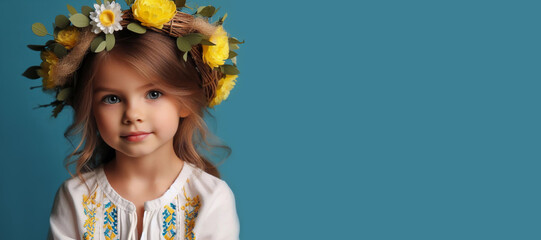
(206, 42)
(86, 10)
(71, 9)
(79, 20)
(101, 47)
(39, 29)
(185, 56)
(193, 38)
(110, 40)
(229, 69)
(232, 54)
(50, 42)
(95, 43)
(235, 41)
(207, 11)
(199, 9)
(233, 47)
(32, 72)
(55, 32)
(63, 94)
(222, 19)
(57, 110)
(180, 3)
(183, 44)
(136, 28)
(36, 47)
(60, 51)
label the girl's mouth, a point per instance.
(136, 138)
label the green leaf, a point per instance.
(86, 10)
(183, 44)
(39, 29)
(185, 56)
(206, 42)
(233, 47)
(32, 72)
(110, 40)
(229, 69)
(98, 2)
(193, 38)
(234, 41)
(101, 47)
(222, 19)
(136, 28)
(180, 3)
(199, 9)
(63, 94)
(55, 32)
(36, 47)
(232, 54)
(96, 42)
(234, 60)
(57, 110)
(79, 20)
(60, 51)
(129, 2)
(50, 42)
(71, 9)
(206, 11)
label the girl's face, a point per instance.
(132, 115)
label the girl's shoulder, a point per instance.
(75, 184)
(206, 185)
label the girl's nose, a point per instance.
(132, 113)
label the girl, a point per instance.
(139, 107)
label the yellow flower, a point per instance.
(154, 13)
(68, 37)
(47, 66)
(224, 87)
(215, 55)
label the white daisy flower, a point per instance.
(106, 18)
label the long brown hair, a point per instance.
(155, 56)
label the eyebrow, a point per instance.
(104, 89)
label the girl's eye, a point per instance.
(154, 94)
(113, 98)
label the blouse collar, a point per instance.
(166, 198)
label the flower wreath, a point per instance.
(92, 29)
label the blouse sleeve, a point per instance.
(220, 221)
(63, 222)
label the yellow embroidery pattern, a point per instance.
(169, 221)
(110, 217)
(191, 209)
(89, 206)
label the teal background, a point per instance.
(350, 120)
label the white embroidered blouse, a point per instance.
(196, 206)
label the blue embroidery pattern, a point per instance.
(110, 221)
(169, 221)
